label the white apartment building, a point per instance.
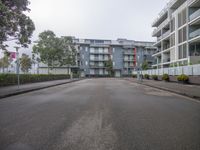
(177, 29)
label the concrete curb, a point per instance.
(36, 89)
(169, 90)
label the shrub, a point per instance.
(11, 79)
(154, 77)
(146, 76)
(165, 77)
(183, 78)
(134, 75)
(76, 75)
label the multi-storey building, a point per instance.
(93, 55)
(177, 29)
(125, 55)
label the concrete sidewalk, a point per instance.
(8, 91)
(189, 90)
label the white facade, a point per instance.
(178, 34)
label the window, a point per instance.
(172, 25)
(113, 63)
(179, 20)
(182, 51)
(182, 35)
(182, 16)
(113, 50)
(172, 40)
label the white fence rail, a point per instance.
(188, 70)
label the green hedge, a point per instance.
(11, 79)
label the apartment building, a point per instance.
(93, 54)
(126, 56)
(177, 29)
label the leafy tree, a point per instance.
(5, 61)
(45, 47)
(145, 65)
(55, 51)
(109, 67)
(14, 24)
(68, 51)
(25, 63)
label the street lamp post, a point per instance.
(138, 70)
(17, 53)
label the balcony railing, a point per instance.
(129, 59)
(129, 53)
(99, 59)
(195, 15)
(195, 34)
(164, 23)
(97, 66)
(129, 66)
(166, 60)
(166, 34)
(191, 1)
(99, 52)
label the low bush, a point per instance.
(183, 78)
(146, 76)
(76, 75)
(11, 79)
(165, 77)
(154, 77)
(134, 75)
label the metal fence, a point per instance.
(188, 70)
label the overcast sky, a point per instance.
(100, 19)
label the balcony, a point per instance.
(163, 24)
(195, 33)
(129, 59)
(129, 53)
(167, 60)
(100, 52)
(166, 34)
(161, 17)
(174, 4)
(129, 66)
(97, 66)
(99, 59)
(195, 15)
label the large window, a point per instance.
(182, 16)
(182, 51)
(172, 25)
(195, 49)
(172, 40)
(182, 35)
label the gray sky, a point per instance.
(102, 19)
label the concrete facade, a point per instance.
(177, 29)
(126, 56)
(93, 54)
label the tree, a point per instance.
(109, 67)
(5, 61)
(55, 51)
(14, 24)
(68, 51)
(45, 47)
(145, 65)
(25, 63)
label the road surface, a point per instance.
(99, 114)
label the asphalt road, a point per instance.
(99, 114)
